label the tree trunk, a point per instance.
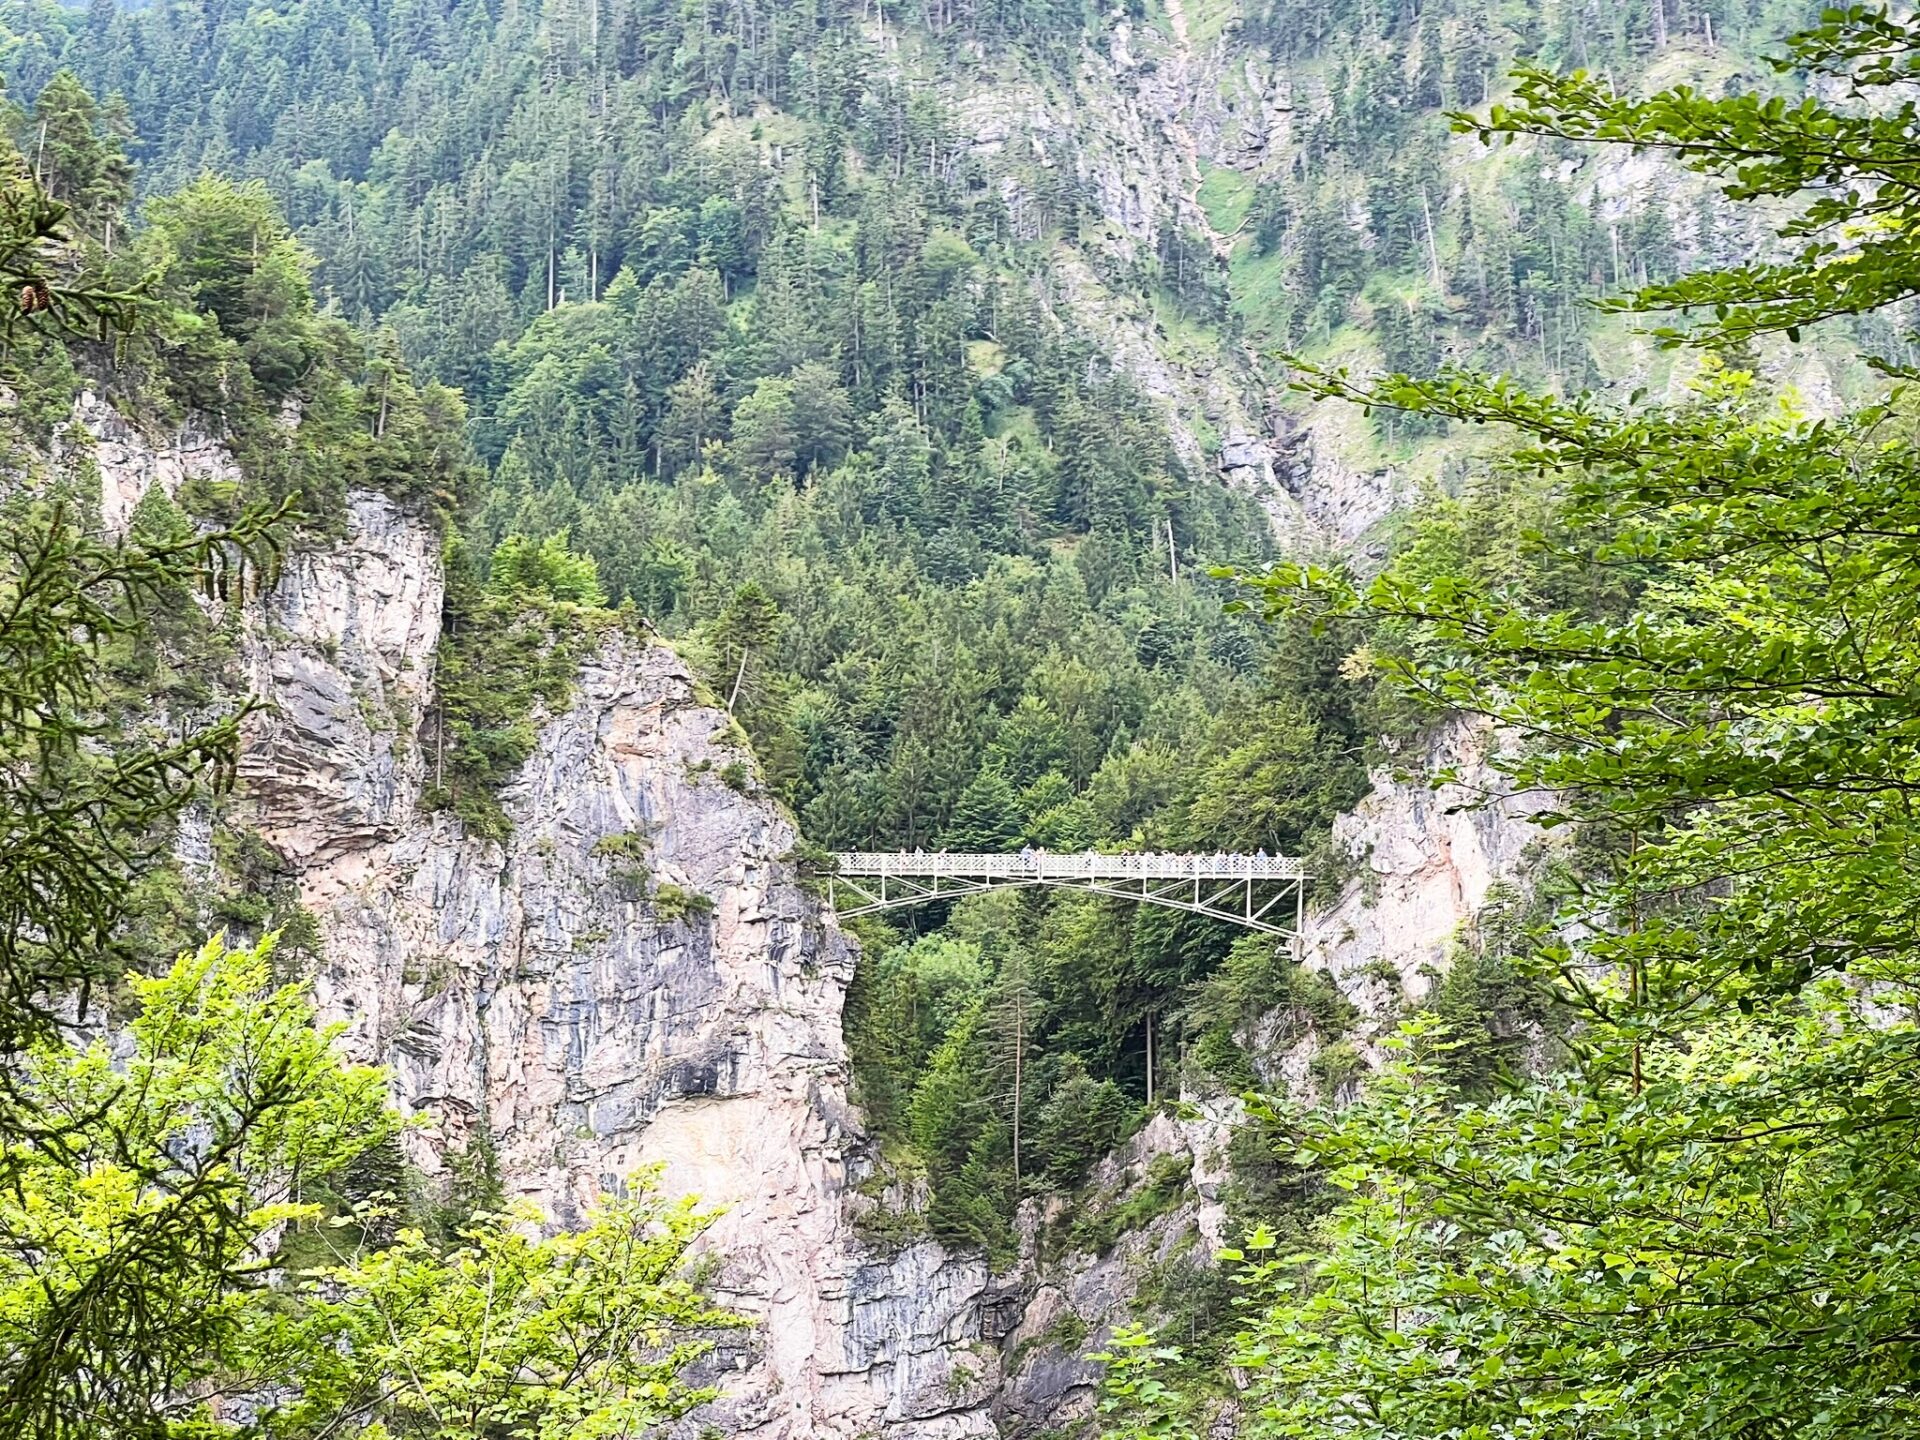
(739, 676)
(1150, 1057)
(1019, 1052)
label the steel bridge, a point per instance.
(1258, 892)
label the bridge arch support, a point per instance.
(1266, 893)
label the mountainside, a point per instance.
(495, 493)
(712, 436)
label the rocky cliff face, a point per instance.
(537, 998)
(1144, 113)
(130, 462)
(1132, 124)
(1426, 860)
(1151, 108)
(540, 999)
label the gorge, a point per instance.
(534, 1000)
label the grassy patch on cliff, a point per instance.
(1226, 196)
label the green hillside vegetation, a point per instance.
(1698, 1218)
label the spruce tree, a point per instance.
(987, 818)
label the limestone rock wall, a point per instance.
(1065, 1301)
(343, 647)
(1426, 861)
(539, 996)
(535, 995)
(130, 461)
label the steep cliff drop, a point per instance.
(531, 997)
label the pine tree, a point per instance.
(694, 416)
(988, 818)
(1013, 1018)
(764, 441)
(78, 151)
(822, 416)
(742, 633)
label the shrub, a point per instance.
(674, 905)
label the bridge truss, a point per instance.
(1257, 892)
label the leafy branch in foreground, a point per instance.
(1146, 1407)
(135, 1249)
(50, 279)
(1729, 1249)
(578, 1335)
(1708, 1220)
(145, 1289)
(1853, 161)
(84, 810)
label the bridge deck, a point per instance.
(1041, 865)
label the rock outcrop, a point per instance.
(1427, 860)
(1131, 127)
(343, 649)
(1071, 1296)
(130, 462)
(541, 997)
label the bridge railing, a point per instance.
(1040, 865)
